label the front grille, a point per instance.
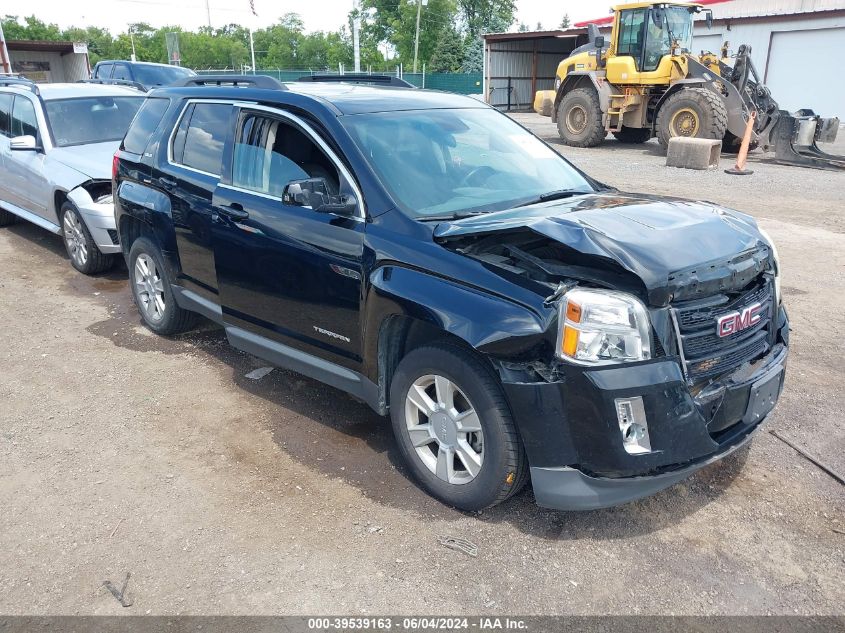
(705, 353)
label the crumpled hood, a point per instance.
(666, 242)
(93, 161)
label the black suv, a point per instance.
(145, 75)
(427, 254)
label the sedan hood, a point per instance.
(92, 161)
(675, 247)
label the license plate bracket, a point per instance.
(763, 396)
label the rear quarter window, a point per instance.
(5, 115)
(144, 124)
(103, 71)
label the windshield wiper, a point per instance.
(560, 194)
(448, 217)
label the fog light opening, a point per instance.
(633, 425)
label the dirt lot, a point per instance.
(122, 452)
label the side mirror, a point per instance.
(313, 193)
(25, 143)
(345, 205)
(599, 42)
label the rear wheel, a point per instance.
(579, 118)
(81, 247)
(633, 135)
(454, 428)
(692, 113)
(151, 290)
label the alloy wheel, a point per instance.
(149, 288)
(444, 429)
(75, 238)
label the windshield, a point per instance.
(160, 75)
(91, 119)
(672, 24)
(453, 162)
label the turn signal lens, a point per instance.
(570, 341)
(573, 312)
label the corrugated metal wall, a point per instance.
(510, 67)
(69, 67)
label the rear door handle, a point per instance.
(234, 211)
(167, 183)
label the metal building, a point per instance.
(796, 47)
(49, 62)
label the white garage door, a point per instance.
(711, 43)
(804, 70)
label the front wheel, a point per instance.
(454, 428)
(579, 119)
(80, 246)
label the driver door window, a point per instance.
(271, 153)
(632, 33)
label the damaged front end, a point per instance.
(606, 422)
(93, 199)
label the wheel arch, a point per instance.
(400, 308)
(584, 79)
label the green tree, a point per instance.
(565, 23)
(31, 29)
(486, 16)
(448, 55)
(395, 21)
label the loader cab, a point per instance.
(648, 41)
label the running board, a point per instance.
(31, 217)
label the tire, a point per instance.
(633, 135)
(731, 144)
(503, 468)
(7, 218)
(579, 120)
(84, 254)
(693, 112)
(148, 274)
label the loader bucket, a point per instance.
(795, 138)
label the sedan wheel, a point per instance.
(444, 429)
(75, 241)
(149, 288)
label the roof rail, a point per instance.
(19, 80)
(256, 81)
(359, 78)
(115, 82)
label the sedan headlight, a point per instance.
(776, 259)
(602, 327)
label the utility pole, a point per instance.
(4, 53)
(417, 38)
(132, 39)
(208, 13)
(356, 34)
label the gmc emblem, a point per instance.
(734, 322)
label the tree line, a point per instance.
(450, 38)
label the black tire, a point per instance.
(7, 218)
(93, 262)
(731, 144)
(504, 466)
(633, 135)
(702, 108)
(579, 120)
(173, 319)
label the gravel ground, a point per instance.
(121, 452)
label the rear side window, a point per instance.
(121, 71)
(5, 114)
(23, 118)
(103, 71)
(203, 137)
(144, 124)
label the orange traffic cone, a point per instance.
(739, 169)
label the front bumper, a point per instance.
(573, 441)
(99, 218)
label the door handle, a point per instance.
(233, 211)
(167, 183)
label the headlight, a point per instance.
(776, 259)
(602, 327)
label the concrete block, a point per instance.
(693, 153)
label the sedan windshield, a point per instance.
(160, 75)
(87, 120)
(459, 161)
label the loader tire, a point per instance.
(692, 112)
(579, 119)
(633, 135)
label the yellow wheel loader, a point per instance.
(646, 82)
